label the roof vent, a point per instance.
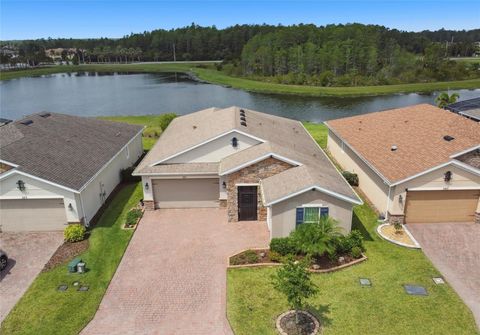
(393, 148)
(243, 123)
(44, 114)
(26, 122)
(448, 138)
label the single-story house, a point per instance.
(57, 169)
(417, 164)
(259, 166)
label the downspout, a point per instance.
(83, 211)
(388, 204)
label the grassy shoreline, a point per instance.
(217, 77)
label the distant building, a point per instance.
(467, 108)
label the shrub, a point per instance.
(165, 120)
(398, 227)
(356, 252)
(282, 246)
(126, 175)
(352, 178)
(152, 132)
(247, 257)
(74, 232)
(275, 257)
(132, 217)
(345, 244)
(317, 238)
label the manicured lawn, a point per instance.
(344, 307)
(43, 310)
(318, 131)
(210, 74)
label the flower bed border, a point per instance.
(136, 223)
(336, 268)
(314, 318)
(415, 246)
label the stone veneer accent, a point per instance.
(477, 217)
(394, 218)
(252, 174)
(149, 205)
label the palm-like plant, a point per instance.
(317, 238)
(444, 99)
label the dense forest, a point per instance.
(332, 55)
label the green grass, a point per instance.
(209, 74)
(43, 310)
(344, 307)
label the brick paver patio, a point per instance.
(454, 249)
(28, 253)
(172, 278)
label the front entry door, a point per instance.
(247, 203)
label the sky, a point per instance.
(21, 19)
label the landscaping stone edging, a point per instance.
(336, 268)
(415, 246)
(279, 318)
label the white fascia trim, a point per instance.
(205, 142)
(320, 189)
(453, 162)
(259, 159)
(153, 174)
(465, 151)
(385, 180)
(247, 184)
(111, 159)
(328, 159)
(8, 163)
(454, 188)
(7, 174)
(33, 198)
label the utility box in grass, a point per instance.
(72, 266)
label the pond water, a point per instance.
(94, 94)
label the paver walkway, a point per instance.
(172, 278)
(454, 249)
(28, 253)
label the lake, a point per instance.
(94, 94)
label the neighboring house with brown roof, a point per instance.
(57, 168)
(416, 164)
(259, 166)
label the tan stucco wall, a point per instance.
(283, 213)
(35, 189)
(369, 182)
(434, 180)
(109, 177)
(215, 150)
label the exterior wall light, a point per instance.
(447, 176)
(146, 186)
(400, 199)
(70, 207)
(21, 185)
(224, 185)
(234, 142)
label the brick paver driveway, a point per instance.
(454, 249)
(28, 253)
(172, 278)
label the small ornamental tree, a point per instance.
(293, 281)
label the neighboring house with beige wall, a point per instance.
(417, 164)
(258, 166)
(57, 169)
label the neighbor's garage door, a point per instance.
(441, 206)
(32, 215)
(184, 193)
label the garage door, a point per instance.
(441, 206)
(32, 215)
(184, 193)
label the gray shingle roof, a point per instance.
(64, 149)
(283, 137)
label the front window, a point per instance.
(310, 214)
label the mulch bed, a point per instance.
(263, 256)
(305, 326)
(66, 252)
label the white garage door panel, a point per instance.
(184, 193)
(32, 215)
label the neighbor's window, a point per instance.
(310, 214)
